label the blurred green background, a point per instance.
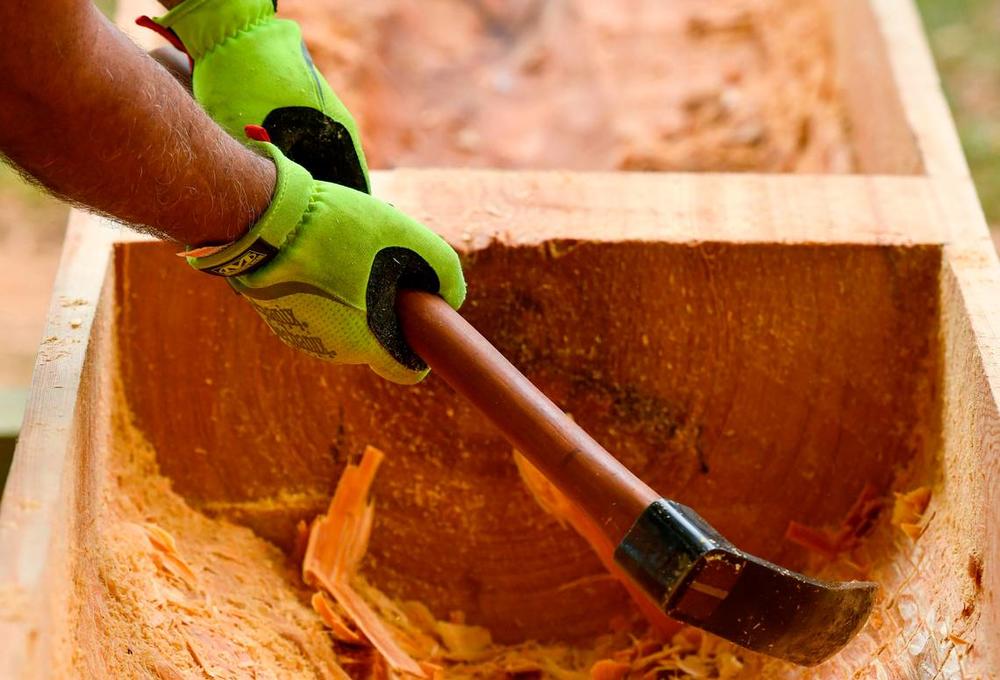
(965, 38)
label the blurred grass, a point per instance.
(965, 38)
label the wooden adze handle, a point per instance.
(569, 457)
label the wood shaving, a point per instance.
(908, 511)
(337, 543)
(170, 593)
(334, 621)
(464, 643)
(405, 633)
(608, 669)
(958, 640)
(165, 555)
(858, 523)
(236, 609)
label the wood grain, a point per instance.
(712, 370)
(757, 346)
(606, 490)
(38, 513)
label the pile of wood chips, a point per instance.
(373, 635)
(378, 636)
(841, 544)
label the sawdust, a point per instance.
(174, 594)
(169, 593)
(165, 592)
(407, 638)
(688, 85)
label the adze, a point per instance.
(680, 562)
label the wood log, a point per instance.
(759, 346)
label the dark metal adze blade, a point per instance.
(700, 578)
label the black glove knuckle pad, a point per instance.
(318, 143)
(395, 268)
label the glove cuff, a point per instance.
(292, 191)
(201, 25)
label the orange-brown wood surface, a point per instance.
(760, 347)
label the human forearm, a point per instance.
(97, 121)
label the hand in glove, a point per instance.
(252, 69)
(323, 265)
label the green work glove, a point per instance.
(253, 75)
(323, 265)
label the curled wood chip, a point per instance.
(165, 554)
(338, 542)
(606, 669)
(729, 666)
(339, 539)
(159, 537)
(908, 510)
(338, 627)
(464, 643)
(419, 615)
(175, 566)
(694, 666)
(858, 523)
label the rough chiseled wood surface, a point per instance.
(722, 375)
(758, 346)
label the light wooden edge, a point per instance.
(970, 329)
(881, 138)
(37, 501)
(969, 253)
(970, 428)
(472, 208)
(919, 88)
